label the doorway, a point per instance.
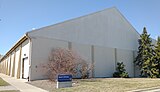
(25, 68)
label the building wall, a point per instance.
(104, 61)
(126, 56)
(3, 67)
(10, 64)
(41, 49)
(16, 61)
(6, 65)
(25, 53)
(83, 50)
(103, 58)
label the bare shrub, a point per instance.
(64, 61)
(85, 69)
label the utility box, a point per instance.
(64, 80)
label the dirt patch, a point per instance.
(44, 84)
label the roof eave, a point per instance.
(24, 38)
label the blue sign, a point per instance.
(64, 78)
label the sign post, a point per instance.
(64, 80)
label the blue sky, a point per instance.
(19, 16)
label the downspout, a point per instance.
(30, 54)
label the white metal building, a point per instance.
(102, 38)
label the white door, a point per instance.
(26, 68)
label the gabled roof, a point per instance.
(104, 28)
(112, 8)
